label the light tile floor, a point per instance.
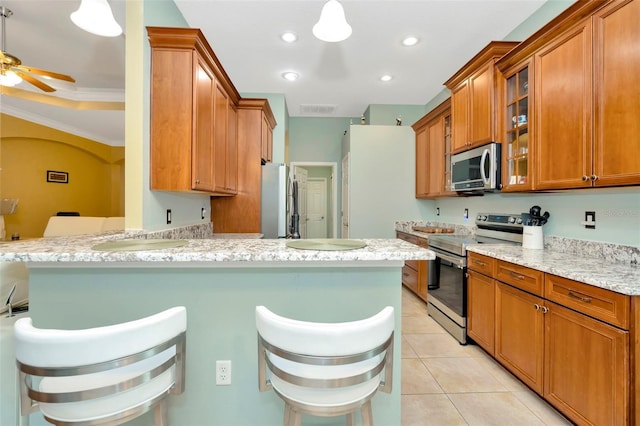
(445, 383)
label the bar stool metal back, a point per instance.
(105, 375)
(325, 369)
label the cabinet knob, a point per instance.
(536, 306)
(545, 309)
(594, 178)
(585, 178)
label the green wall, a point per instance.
(220, 305)
(386, 115)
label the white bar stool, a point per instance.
(325, 369)
(102, 376)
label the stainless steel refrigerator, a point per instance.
(275, 212)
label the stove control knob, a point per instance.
(482, 217)
(512, 219)
(519, 221)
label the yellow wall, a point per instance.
(28, 150)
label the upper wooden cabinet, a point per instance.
(254, 125)
(474, 98)
(581, 125)
(433, 152)
(192, 146)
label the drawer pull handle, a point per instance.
(516, 276)
(479, 263)
(405, 274)
(577, 296)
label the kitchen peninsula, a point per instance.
(220, 281)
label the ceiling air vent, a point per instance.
(317, 109)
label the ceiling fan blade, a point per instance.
(40, 85)
(45, 73)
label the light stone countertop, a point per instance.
(619, 277)
(207, 252)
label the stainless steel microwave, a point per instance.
(477, 169)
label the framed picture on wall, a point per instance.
(57, 177)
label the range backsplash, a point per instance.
(617, 253)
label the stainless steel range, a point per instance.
(447, 291)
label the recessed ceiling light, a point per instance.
(386, 77)
(290, 75)
(410, 41)
(289, 37)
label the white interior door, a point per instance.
(345, 197)
(317, 208)
(300, 175)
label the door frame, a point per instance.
(334, 188)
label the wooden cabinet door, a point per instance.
(203, 148)
(232, 151)
(436, 157)
(481, 310)
(460, 117)
(423, 272)
(481, 92)
(586, 368)
(617, 94)
(267, 140)
(520, 334)
(563, 111)
(221, 121)
(422, 163)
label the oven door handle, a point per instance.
(459, 262)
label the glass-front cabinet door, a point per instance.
(517, 176)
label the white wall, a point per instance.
(382, 180)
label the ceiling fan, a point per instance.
(13, 72)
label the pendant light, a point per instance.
(96, 17)
(332, 25)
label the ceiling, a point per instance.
(245, 36)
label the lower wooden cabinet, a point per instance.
(578, 357)
(586, 367)
(415, 273)
(481, 316)
(520, 334)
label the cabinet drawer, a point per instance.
(413, 264)
(423, 242)
(599, 303)
(407, 237)
(410, 278)
(521, 277)
(481, 263)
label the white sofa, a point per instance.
(77, 225)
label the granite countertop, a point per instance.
(205, 252)
(619, 277)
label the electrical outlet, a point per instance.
(223, 372)
(168, 216)
(466, 213)
(437, 211)
(202, 211)
(590, 220)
